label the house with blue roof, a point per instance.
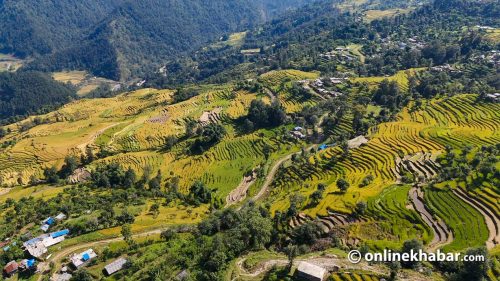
(83, 258)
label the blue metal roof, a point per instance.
(31, 263)
(86, 257)
(60, 233)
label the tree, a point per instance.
(292, 252)
(409, 246)
(316, 197)
(366, 181)
(168, 234)
(129, 179)
(155, 183)
(360, 208)
(263, 115)
(199, 193)
(89, 153)
(155, 210)
(190, 125)
(388, 94)
(476, 270)
(127, 233)
(69, 166)
(213, 133)
(81, 275)
(170, 141)
(343, 185)
(307, 233)
(50, 175)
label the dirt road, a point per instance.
(270, 176)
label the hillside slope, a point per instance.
(119, 38)
(40, 27)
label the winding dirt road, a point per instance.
(270, 176)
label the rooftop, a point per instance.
(115, 266)
(82, 258)
(311, 270)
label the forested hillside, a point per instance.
(26, 93)
(120, 39)
(40, 27)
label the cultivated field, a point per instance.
(455, 121)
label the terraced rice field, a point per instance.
(455, 121)
(73, 77)
(394, 214)
(134, 126)
(467, 224)
(132, 122)
(355, 277)
(401, 77)
(493, 35)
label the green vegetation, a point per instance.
(298, 139)
(26, 93)
(467, 224)
(390, 209)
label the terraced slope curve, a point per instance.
(455, 121)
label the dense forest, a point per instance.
(25, 93)
(121, 39)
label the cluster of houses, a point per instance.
(492, 57)
(297, 133)
(484, 27)
(14, 267)
(343, 54)
(445, 68)
(413, 43)
(82, 259)
(38, 246)
(48, 222)
(319, 86)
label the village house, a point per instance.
(11, 268)
(27, 264)
(115, 266)
(83, 258)
(493, 97)
(297, 135)
(310, 272)
(337, 80)
(60, 217)
(37, 247)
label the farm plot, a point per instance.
(395, 215)
(467, 224)
(348, 276)
(401, 77)
(456, 121)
